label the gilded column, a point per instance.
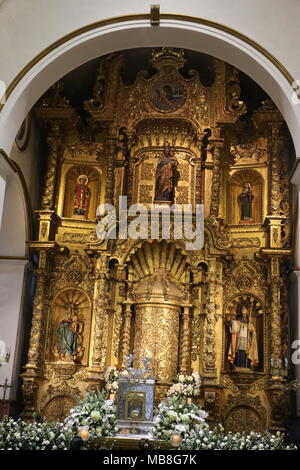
(110, 183)
(126, 334)
(100, 313)
(34, 366)
(36, 348)
(198, 164)
(215, 147)
(130, 166)
(184, 365)
(209, 351)
(276, 142)
(275, 321)
(276, 148)
(54, 142)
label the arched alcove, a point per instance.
(235, 187)
(91, 176)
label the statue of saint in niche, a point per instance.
(245, 199)
(243, 350)
(68, 335)
(165, 175)
(81, 198)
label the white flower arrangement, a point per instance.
(186, 385)
(216, 439)
(111, 377)
(94, 412)
(21, 435)
(176, 415)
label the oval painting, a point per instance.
(167, 96)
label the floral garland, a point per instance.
(96, 413)
(186, 385)
(111, 377)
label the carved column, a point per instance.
(131, 138)
(126, 334)
(34, 366)
(198, 165)
(215, 147)
(209, 352)
(278, 397)
(54, 142)
(184, 365)
(100, 313)
(110, 182)
(275, 323)
(276, 145)
(36, 348)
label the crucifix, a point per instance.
(5, 386)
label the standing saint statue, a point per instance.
(165, 171)
(245, 199)
(67, 334)
(81, 197)
(243, 350)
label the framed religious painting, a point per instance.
(167, 95)
(135, 405)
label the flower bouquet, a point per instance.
(175, 415)
(95, 413)
(186, 385)
(111, 377)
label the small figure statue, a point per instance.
(243, 351)
(245, 199)
(165, 172)
(81, 197)
(67, 335)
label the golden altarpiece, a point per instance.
(107, 298)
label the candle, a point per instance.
(84, 434)
(176, 439)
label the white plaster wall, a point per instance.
(29, 163)
(2, 193)
(29, 26)
(13, 227)
(11, 288)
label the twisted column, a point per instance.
(209, 353)
(34, 366)
(198, 165)
(126, 334)
(215, 147)
(100, 312)
(110, 184)
(38, 326)
(131, 138)
(276, 141)
(185, 341)
(54, 142)
(275, 319)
